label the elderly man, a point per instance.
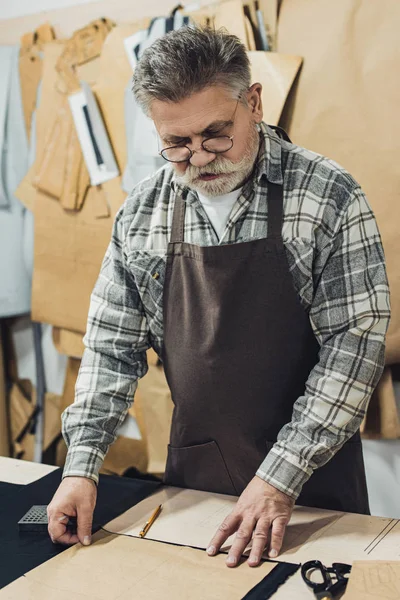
(255, 270)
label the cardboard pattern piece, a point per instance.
(374, 580)
(346, 106)
(67, 20)
(227, 14)
(382, 419)
(68, 342)
(191, 518)
(69, 248)
(22, 411)
(276, 72)
(121, 568)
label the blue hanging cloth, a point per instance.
(16, 223)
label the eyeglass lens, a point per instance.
(183, 153)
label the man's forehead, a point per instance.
(194, 113)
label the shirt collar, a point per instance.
(268, 163)
(269, 160)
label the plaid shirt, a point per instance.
(337, 263)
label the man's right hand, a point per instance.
(75, 497)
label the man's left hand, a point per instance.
(262, 513)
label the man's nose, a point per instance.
(201, 157)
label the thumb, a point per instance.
(84, 521)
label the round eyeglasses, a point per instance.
(214, 145)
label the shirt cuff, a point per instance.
(83, 461)
(283, 471)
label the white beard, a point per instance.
(234, 173)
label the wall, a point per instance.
(19, 8)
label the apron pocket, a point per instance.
(199, 467)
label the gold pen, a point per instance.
(150, 522)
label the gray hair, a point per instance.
(188, 60)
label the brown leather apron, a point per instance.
(238, 349)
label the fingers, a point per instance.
(68, 539)
(85, 518)
(277, 534)
(261, 514)
(227, 528)
(58, 522)
(75, 497)
(260, 539)
(64, 519)
(242, 538)
(57, 528)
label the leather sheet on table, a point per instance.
(20, 553)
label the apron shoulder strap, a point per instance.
(275, 211)
(178, 220)
(275, 195)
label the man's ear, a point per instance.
(255, 102)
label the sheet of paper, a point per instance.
(190, 518)
(122, 568)
(13, 470)
(374, 580)
(340, 537)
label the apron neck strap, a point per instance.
(275, 214)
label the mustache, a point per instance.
(218, 166)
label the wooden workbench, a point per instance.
(21, 472)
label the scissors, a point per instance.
(334, 578)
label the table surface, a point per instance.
(24, 472)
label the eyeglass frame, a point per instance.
(214, 137)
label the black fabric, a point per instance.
(269, 585)
(6, 489)
(20, 553)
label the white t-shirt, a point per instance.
(218, 208)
